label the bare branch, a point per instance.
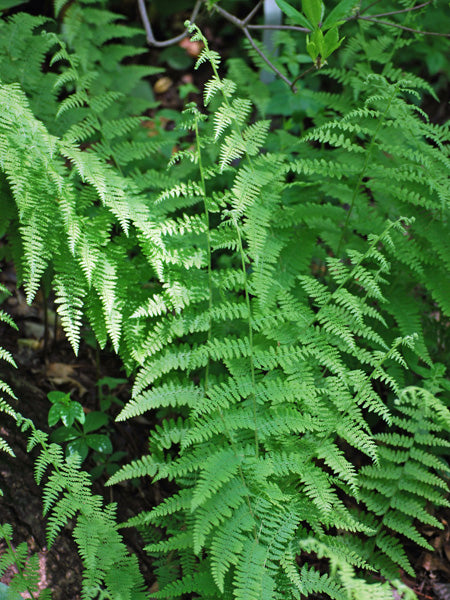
(267, 61)
(280, 28)
(229, 17)
(447, 35)
(302, 74)
(245, 29)
(252, 13)
(149, 31)
(361, 12)
(397, 12)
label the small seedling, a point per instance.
(111, 383)
(78, 429)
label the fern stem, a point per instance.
(208, 241)
(250, 331)
(244, 272)
(364, 169)
(210, 303)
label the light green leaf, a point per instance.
(312, 50)
(331, 42)
(294, 14)
(338, 13)
(317, 39)
(313, 9)
(6, 593)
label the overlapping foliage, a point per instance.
(271, 294)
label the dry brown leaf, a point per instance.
(162, 85)
(432, 562)
(192, 48)
(442, 590)
(60, 370)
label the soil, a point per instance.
(36, 375)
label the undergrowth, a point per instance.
(271, 294)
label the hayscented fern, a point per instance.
(264, 293)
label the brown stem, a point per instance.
(397, 12)
(366, 9)
(280, 28)
(252, 13)
(245, 29)
(149, 31)
(403, 27)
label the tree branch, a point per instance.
(397, 12)
(149, 31)
(281, 28)
(447, 35)
(242, 25)
(252, 13)
(361, 12)
(245, 26)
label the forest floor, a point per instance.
(42, 369)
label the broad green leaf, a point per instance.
(338, 13)
(294, 14)
(100, 443)
(54, 414)
(312, 50)
(94, 420)
(72, 412)
(6, 593)
(331, 42)
(313, 9)
(57, 396)
(78, 446)
(317, 39)
(64, 434)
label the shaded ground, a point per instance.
(21, 504)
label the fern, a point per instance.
(267, 292)
(273, 401)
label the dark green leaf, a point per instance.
(54, 414)
(110, 382)
(100, 443)
(64, 434)
(94, 420)
(78, 446)
(72, 412)
(5, 4)
(97, 471)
